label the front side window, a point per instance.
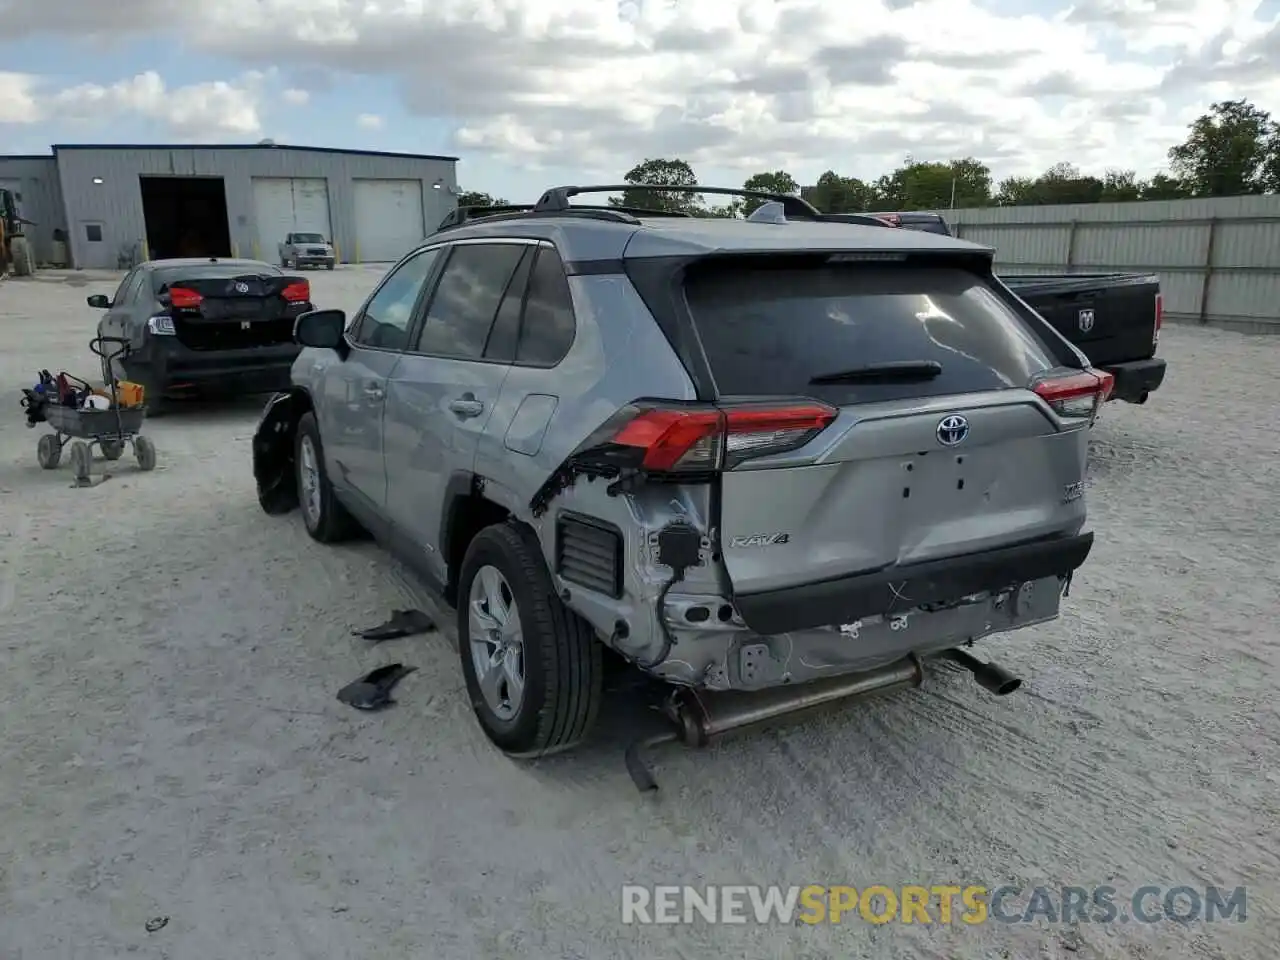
(384, 323)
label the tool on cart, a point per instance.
(87, 416)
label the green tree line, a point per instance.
(1232, 150)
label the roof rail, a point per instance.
(557, 198)
(511, 211)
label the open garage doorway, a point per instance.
(185, 217)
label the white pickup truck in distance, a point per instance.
(306, 250)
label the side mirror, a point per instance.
(99, 301)
(321, 328)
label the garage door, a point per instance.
(388, 218)
(284, 205)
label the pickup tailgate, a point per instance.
(1111, 317)
(230, 313)
(914, 468)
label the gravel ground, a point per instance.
(172, 746)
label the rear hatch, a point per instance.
(1111, 317)
(935, 447)
(235, 312)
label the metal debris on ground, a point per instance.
(156, 923)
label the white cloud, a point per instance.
(212, 111)
(749, 84)
(296, 97)
(369, 121)
(17, 105)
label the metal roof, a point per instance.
(247, 146)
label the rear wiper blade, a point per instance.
(896, 371)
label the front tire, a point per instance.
(533, 667)
(326, 520)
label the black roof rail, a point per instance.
(557, 198)
(511, 211)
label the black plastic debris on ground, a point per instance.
(403, 623)
(156, 923)
(373, 690)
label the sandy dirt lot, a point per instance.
(172, 746)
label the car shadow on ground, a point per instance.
(213, 410)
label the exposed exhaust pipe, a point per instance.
(700, 718)
(990, 676)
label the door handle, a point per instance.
(373, 391)
(467, 406)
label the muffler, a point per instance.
(990, 676)
(700, 717)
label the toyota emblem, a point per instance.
(952, 430)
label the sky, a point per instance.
(528, 93)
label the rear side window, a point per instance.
(548, 329)
(769, 328)
(466, 299)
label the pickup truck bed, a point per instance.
(1113, 317)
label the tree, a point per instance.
(933, 186)
(1231, 150)
(673, 173)
(777, 182)
(1121, 186)
(469, 198)
(836, 194)
(1164, 187)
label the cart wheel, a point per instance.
(145, 451)
(49, 451)
(81, 459)
(111, 449)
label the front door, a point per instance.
(443, 391)
(355, 390)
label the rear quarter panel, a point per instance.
(618, 355)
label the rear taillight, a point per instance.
(700, 439)
(1076, 395)
(1155, 334)
(298, 292)
(184, 298)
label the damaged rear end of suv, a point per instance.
(777, 463)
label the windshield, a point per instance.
(308, 238)
(772, 328)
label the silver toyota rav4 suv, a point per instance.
(772, 462)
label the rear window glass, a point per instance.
(769, 328)
(208, 271)
(307, 238)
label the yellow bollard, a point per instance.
(255, 251)
(146, 251)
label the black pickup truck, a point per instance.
(1114, 318)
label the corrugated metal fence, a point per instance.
(1218, 259)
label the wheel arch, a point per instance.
(471, 503)
(273, 449)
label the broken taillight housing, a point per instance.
(298, 292)
(1078, 395)
(657, 437)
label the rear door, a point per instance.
(914, 468)
(442, 393)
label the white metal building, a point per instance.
(119, 204)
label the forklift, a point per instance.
(16, 255)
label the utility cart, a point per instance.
(83, 428)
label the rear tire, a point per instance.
(561, 660)
(326, 520)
